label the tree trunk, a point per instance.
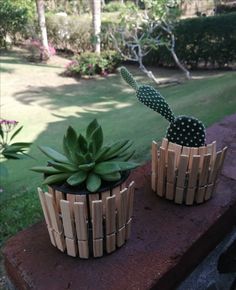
(179, 64)
(151, 76)
(96, 19)
(176, 59)
(42, 26)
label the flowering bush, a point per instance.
(38, 51)
(69, 33)
(90, 63)
(10, 150)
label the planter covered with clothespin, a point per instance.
(88, 203)
(185, 175)
(184, 168)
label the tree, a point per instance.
(43, 29)
(141, 31)
(96, 23)
(166, 14)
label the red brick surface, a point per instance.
(167, 240)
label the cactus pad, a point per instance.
(127, 76)
(186, 131)
(154, 100)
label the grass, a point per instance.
(46, 103)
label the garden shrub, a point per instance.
(73, 33)
(37, 51)
(91, 63)
(208, 41)
(113, 6)
(69, 33)
(222, 8)
(13, 20)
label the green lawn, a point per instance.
(46, 103)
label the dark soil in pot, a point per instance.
(81, 189)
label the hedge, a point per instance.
(203, 41)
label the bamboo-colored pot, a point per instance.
(185, 175)
(88, 225)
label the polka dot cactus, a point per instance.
(186, 131)
(154, 100)
(183, 130)
(126, 75)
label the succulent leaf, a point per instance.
(97, 139)
(118, 148)
(128, 77)
(77, 178)
(51, 153)
(56, 178)
(115, 176)
(71, 137)
(101, 153)
(106, 167)
(64, 167)
(81, 159)
(69, 144)
(82, 144)
(45, 169)
(87, 167)
(66, 148)
(124, 165)
(89, 158)
(93, 182)
(91, 128)
(126, 156)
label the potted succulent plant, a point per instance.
(88, 208)
(184, 168)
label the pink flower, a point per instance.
(52, 50)
(71, 63)
(8, 125)
(104, 73)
